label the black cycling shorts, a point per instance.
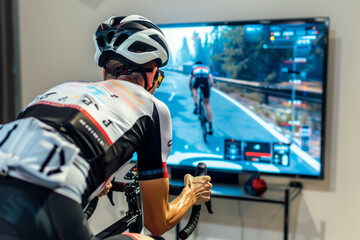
(30, 212)
(206, 85)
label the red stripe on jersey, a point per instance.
(196, 68)
(97, 125)
(165, 171)
(81, 110)
(201, 68)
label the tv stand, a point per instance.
(276, 194)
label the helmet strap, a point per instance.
(145, 79)
(143, 72)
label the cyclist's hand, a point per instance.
(200, 187)
(105, 190)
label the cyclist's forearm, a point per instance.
(196, 190)
(179, 206)
(160, 215)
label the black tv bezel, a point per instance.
(326, 21)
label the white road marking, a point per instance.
(171, 96)
(259, 120)
(305, 156)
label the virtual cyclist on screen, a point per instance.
(200, 74)
(69, 142)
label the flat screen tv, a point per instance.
(268, 100)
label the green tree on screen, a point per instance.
(185, 55)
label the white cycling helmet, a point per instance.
(133, 40)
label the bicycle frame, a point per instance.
(133, 218)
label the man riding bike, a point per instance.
(68, 143)
(201, 75)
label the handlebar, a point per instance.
(131, 190)
(196, 209)
(116, 187)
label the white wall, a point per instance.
(56, 46)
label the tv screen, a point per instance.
(268, 99)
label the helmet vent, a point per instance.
(161, 42)
(110, 36)
(120, 39)
(150, 25)
(100, 41)
(142, 47)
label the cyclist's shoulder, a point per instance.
(161, 107)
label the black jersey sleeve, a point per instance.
(154, 152)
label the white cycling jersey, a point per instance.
(76, 136)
